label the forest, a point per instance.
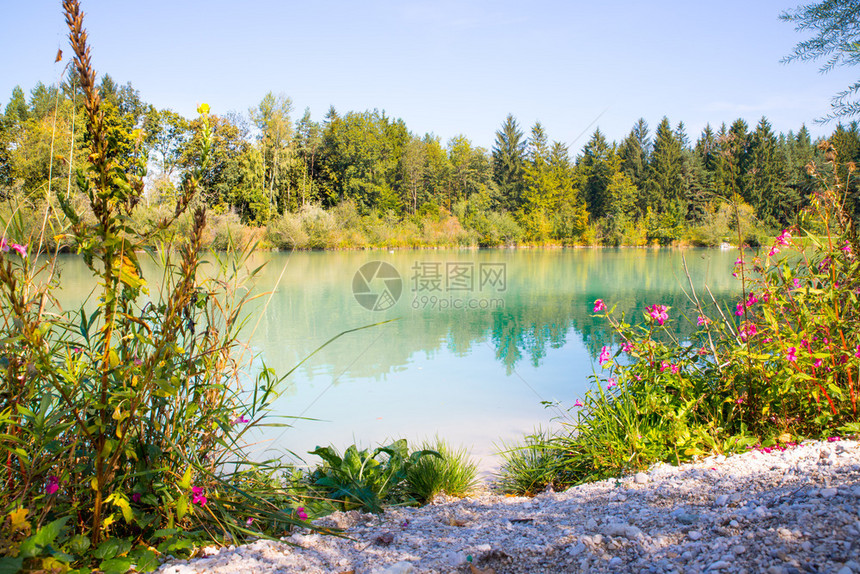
(363, 179)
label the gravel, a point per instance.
(781, 512)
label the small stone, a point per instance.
(641, 478)
(722, 500)
(719, 565)
(622, 530)
(455, 559)
(576, 550)
(615, 562)
(400, 568)
(776, 570)
(739, 549)
(687, 518)
(845, 570)
(694, 535)
(734, 524)
(829, 492)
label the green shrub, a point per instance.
(363, 478)
(451, 473)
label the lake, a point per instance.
(474, 343)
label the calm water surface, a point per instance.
(476, 339)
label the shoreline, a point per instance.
(781, 512)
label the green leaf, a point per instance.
(78, 544)
(181, 506)
(107, 549)
(11, 565)
(45, 536)
(145, 560)
(116, 565)
(185, 481)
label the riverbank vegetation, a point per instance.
(780, 366)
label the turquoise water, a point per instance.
(474, 341)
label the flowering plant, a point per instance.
(781, 364)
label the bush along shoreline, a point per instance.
(781, 366)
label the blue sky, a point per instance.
(446, 66)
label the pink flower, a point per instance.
(773, 251)
(627, 347)
(604, 355)
(599, 306)
(857, 353)
(249, 522)
(751, 300)
(53, 485)
(611, 384)
(135, 497)
(240, 421)
(578, 403)
(784, 238)
(748, 330)
(791, 355)
(658, 313)
(664, 365)
(703, 321)
(739, 310)
(834, 438)
(796, 283)
(4, 247)
(21, 249)
(300, 512)
(675, 369)
(847, 248)
(739, 401)
(739, 261)
(198, 496)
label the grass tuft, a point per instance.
(452, 473)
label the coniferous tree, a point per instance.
(707, 153)
(539, 192)
(846, 142)
(837, 27)
(508, 163)
(666, 183)
(631, 158)
(598, 164)
(764, 179)
(570, 219)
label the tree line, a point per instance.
(654, 187)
